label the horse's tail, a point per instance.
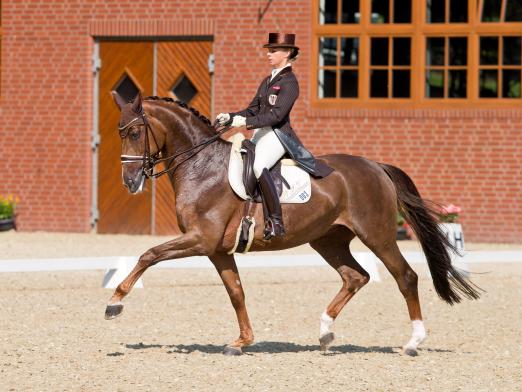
(449, 282)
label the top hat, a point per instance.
(278, 40)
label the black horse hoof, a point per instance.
(113, 311)
(325, 340)
(410, 352)
(232, 351)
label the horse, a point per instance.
(360, 198)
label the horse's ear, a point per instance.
(118, 99)
(136, 104)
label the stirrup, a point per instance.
(270, 230)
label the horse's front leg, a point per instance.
(227, 269)
(184, 246)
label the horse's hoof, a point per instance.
(326, 340)
(113, 311)
(410, 351)
(232, 351)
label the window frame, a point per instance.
(419, 30)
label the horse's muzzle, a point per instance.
(134, 184)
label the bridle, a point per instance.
(150, 161)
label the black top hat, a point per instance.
(278, 40)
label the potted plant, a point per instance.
(7, 212)
(403, 232)
(448, 216)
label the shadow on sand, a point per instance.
(272, 348)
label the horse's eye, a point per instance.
(135, 134)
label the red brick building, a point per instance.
(430, 86)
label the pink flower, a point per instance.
(451, 209)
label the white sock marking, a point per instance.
(326, 323)
(418, 334)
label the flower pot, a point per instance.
(402, 233)
(7, 224)
(454, 234)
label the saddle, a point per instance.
(292, 182)
(249, 179)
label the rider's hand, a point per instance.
(238, 121)
(223, 118)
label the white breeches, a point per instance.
(268, 150)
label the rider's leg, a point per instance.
(268, 151)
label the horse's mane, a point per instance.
(182, 104)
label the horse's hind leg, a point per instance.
(334, 248)
(407, 281)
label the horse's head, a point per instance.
(141, 141)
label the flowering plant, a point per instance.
(449, 213)
(8, 206)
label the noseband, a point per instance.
(150, 161)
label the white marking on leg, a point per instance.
(326, 323)
(417, 336)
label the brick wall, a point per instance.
(464, 157)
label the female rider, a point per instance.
(269, 116)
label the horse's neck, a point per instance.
(207, 169)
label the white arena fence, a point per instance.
(117, 268)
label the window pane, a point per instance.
(401, 84)
(327, 11)
(402, 11)
(435, 84)
(491, 10)
(488, 81)
(514, 11)
(458, 51)
(401, 51)
(379, 84)
(435, 51)
(379, 51)
(326, 83)
(511, 55)
(327, 51)
(348, 84)
(350, 11)
(380, 11)
(349, 51)
(511, 83)
(435, 11)
(488, 50)
(457, 84)
(458, 11)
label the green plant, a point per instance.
(8, 206)
(449, 213)
(400, 219)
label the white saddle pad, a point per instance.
(299, 180)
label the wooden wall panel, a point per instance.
(120, 212)
(174, 60)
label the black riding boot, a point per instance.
(274, 223)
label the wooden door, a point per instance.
(181, 73)
(182, 69)
(126, 67)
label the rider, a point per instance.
(269, 116)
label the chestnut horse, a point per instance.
(360, 198)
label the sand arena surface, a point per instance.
(171, 334)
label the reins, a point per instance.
(149, 162)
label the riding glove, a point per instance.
(238, 121)
(223, 118)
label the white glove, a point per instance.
(238, 121)
(223, 118)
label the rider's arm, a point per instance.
(285, 101)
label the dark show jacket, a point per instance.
(271, 108)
